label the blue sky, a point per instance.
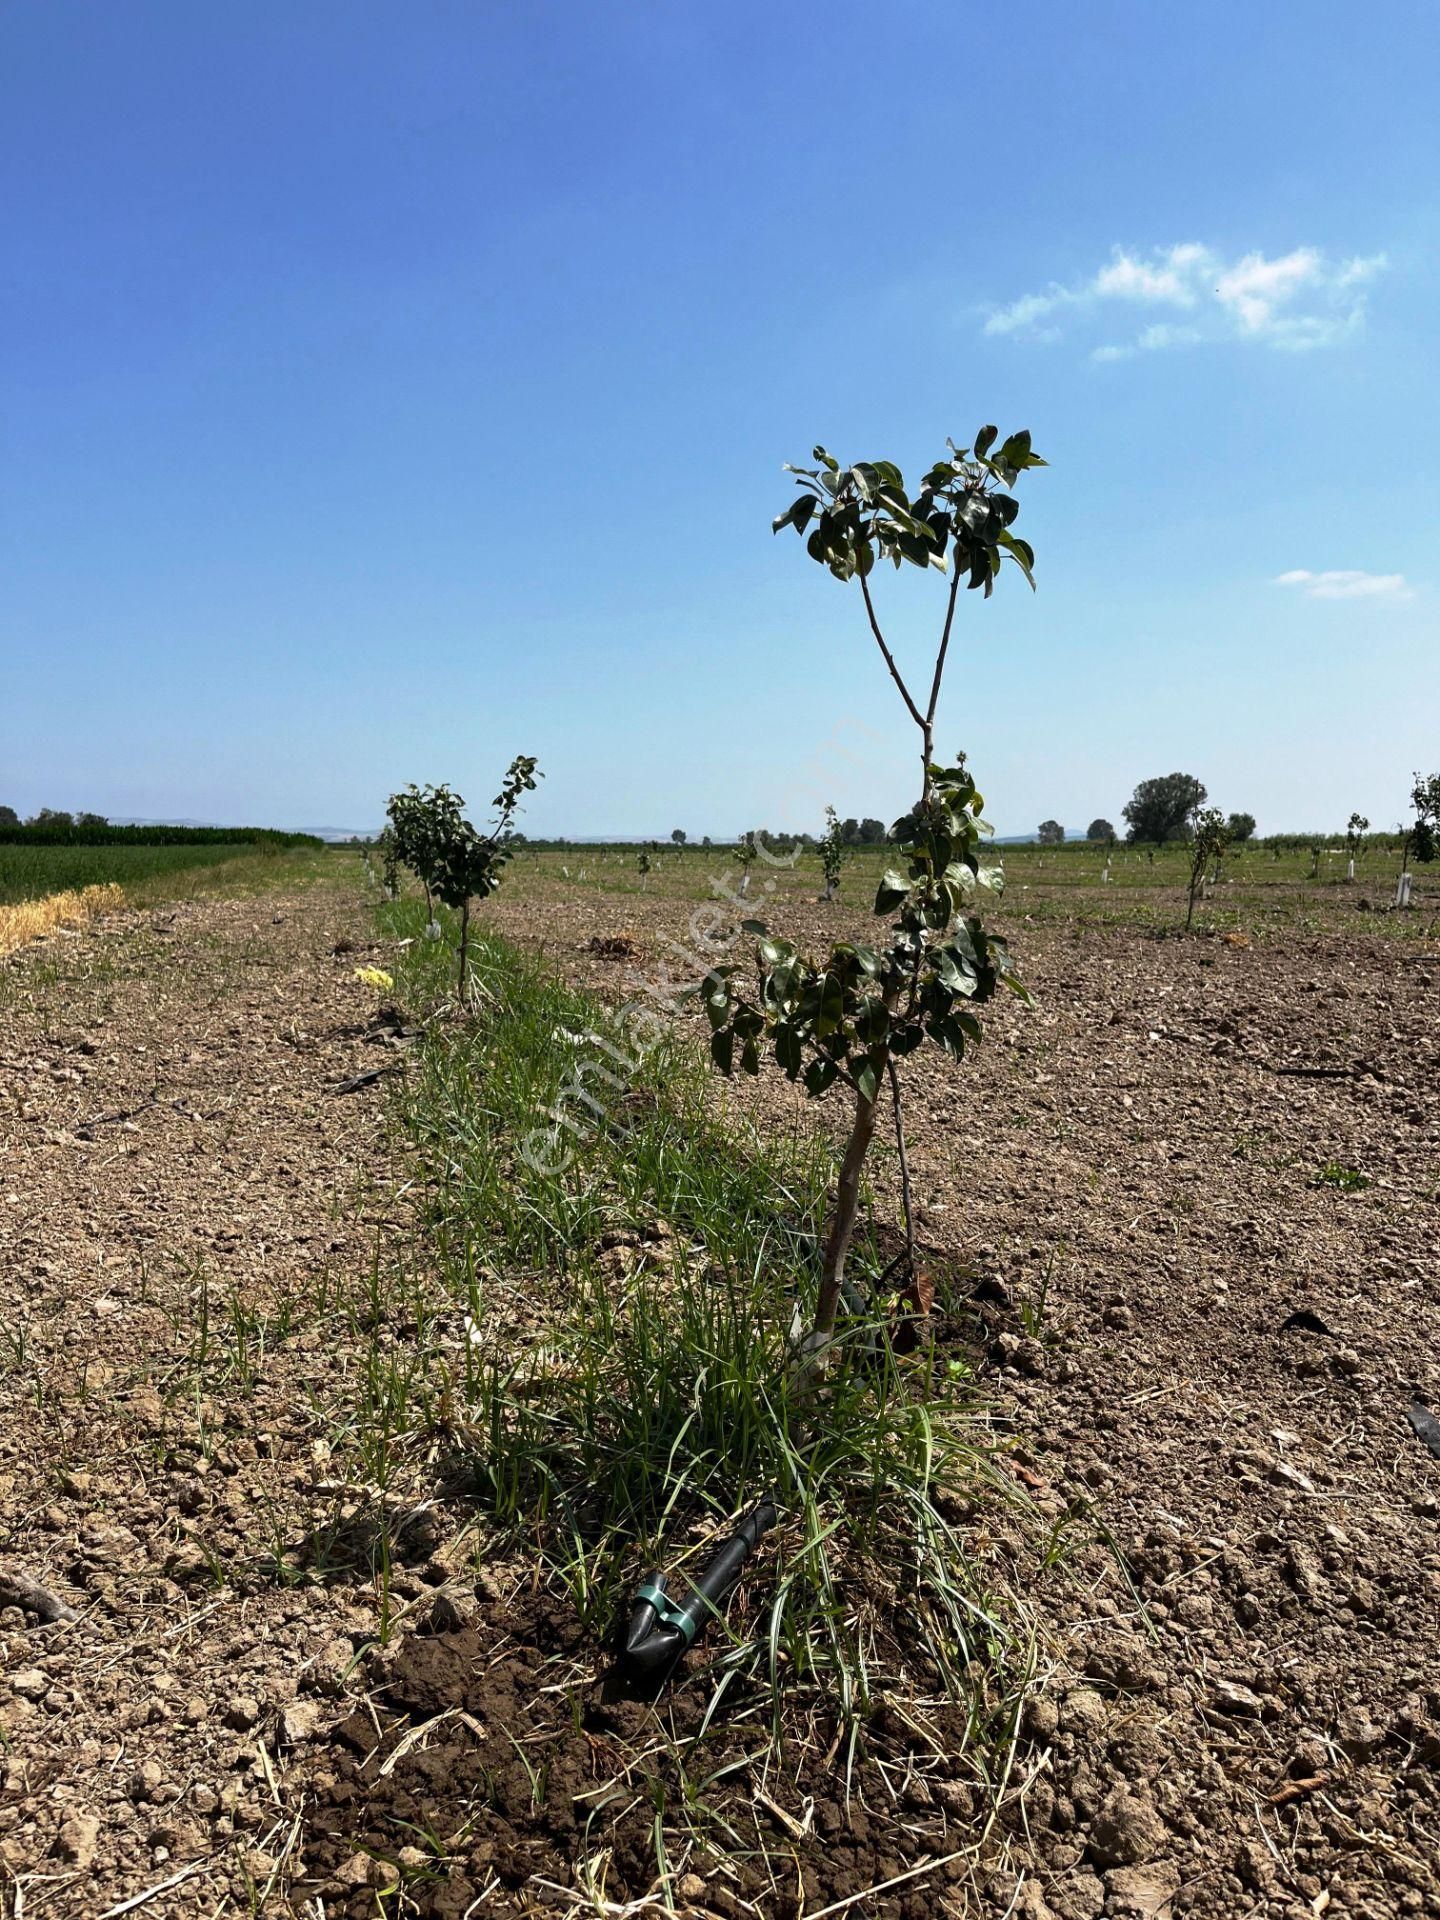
(388, 390)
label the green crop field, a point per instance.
(31, 872)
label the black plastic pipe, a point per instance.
(661, 1629)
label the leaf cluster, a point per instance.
(958, 516)
(844, 1018)
(452, 857)
(1424, 835)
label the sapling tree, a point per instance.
(1356, 828)
(850, 1017)
(412, 825)
(833, 853)
(1208, 844)
(746, 853)
(459, 863)
(1422, 836)
(642, 867)
(390, 862)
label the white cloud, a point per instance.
(1347, 584)
(1297, 300)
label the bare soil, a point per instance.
(1181, 1148)
(1212, 1354)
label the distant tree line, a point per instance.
(51, 827)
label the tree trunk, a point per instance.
(464, 950)
(842, 1221)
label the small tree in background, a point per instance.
(389, 862)
(1422, 836)
(9, 817)
(1162, 809)
(1239, 828)
(413, 821)
(642, 867)
(1208, 844)
(746, 852)
(1356, 828)
(852, 1016)
(677, 834)
(1051, 834)
(833, 852)
(460, 864)
(1100, 829)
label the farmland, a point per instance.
(387, 1419)
(1263, 889)
(30, 872)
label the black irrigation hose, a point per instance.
(660, 1631)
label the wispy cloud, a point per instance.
(1295, 301)
(1347, 584)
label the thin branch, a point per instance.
(915, 713)
(904, 1163)
(944, 643)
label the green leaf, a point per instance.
(1022, 553)
(754, 926)
(866, 1080)
(797, 514)
(750, 1056)
(788, 1050)
(819, 1075)
(722, 1050)
(892, 890)
(984, 440)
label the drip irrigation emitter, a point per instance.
(662, 1629)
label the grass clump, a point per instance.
(625, 1380)
(1344, 1179)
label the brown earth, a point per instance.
(1244, 1713)
(180, 1198)
(1252, 1709)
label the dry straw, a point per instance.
(32, 919)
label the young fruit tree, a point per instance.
(833, 853)
(1422, 836)
(746, 852)
(412, 824)
(456, 862)
(390, 863)
(850, 1017)
(1356, 828)
(1211, 836)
